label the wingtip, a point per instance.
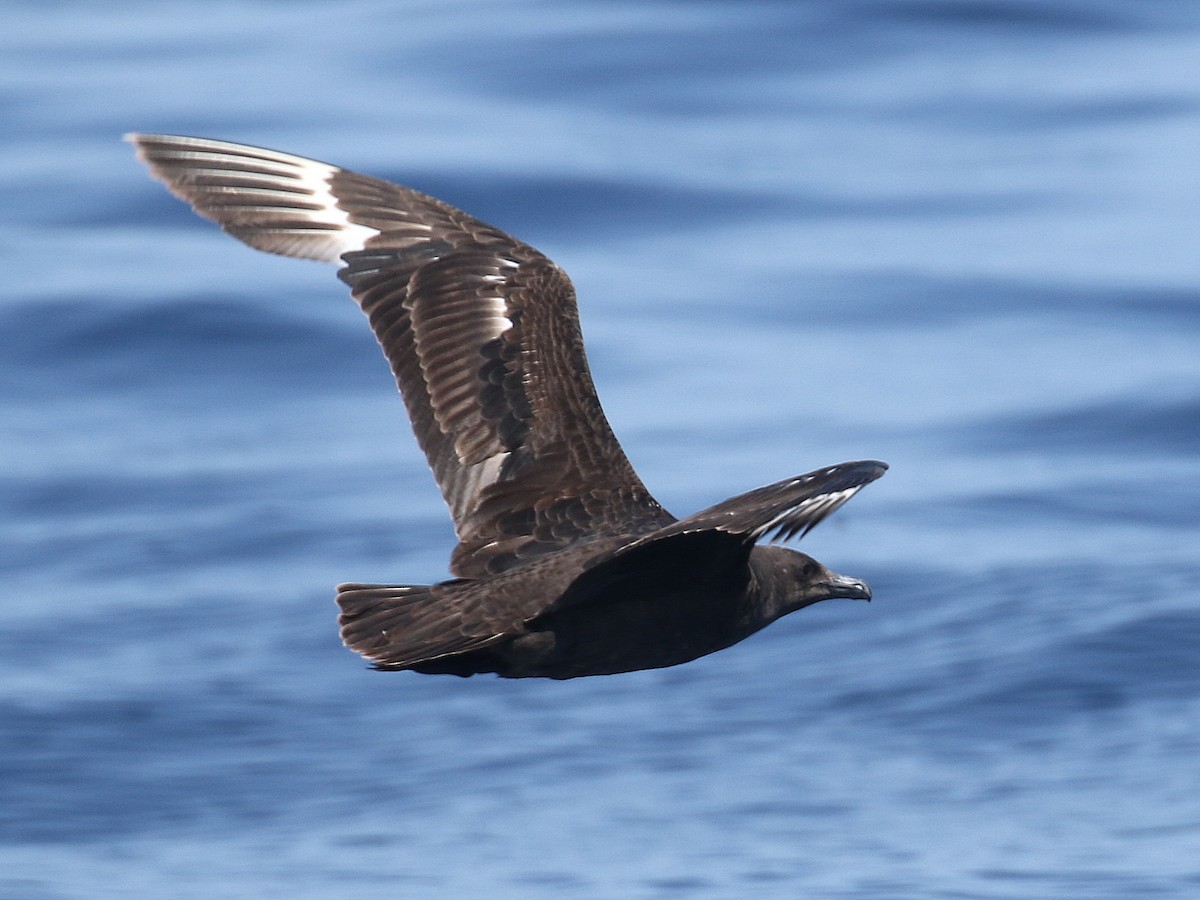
(859, 471)
(141, 138)
(872, 468)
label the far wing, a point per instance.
(778, 511)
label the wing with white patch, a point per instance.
(481, 332)
(270, 200)
(782, 510)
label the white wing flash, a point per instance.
(272, 201)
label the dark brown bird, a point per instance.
(565, 565)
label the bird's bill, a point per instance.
(844, 587)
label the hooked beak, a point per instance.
(846, 588)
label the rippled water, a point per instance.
(958, 236)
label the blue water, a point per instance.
(958, 235)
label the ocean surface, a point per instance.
(962, 236)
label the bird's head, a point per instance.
(789, 580)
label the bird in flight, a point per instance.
(565, 565)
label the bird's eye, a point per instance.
(808, 570)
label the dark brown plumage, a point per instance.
(566, 565)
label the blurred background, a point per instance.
(957, 235)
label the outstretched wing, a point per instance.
(778, 511)
(480, 329)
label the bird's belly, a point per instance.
(624, 636)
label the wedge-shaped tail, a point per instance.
(397, 626)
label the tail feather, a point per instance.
(401, 626)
